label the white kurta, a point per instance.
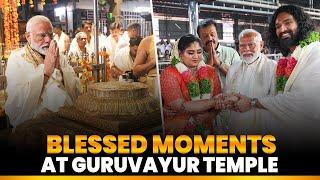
(298, 108)
(26, 99)
(62, 41)
(102, 42)
(123, 60)
(253, 80)
(77, 52)
(111, 45)
(124, 41)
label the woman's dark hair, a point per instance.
(304, 22)
(186, 40)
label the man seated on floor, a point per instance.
(38, 78)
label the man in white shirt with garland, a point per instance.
(296, 105)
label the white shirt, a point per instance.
(75, 50)
(111, 46)
(62, 42)
(102, 42)
(124, 41)
(123, 60)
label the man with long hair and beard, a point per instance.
(300, 26)
(296, 104)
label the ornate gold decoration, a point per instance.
(115, 107)
(116, 98)
(86, 76)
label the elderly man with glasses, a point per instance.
(253, 76)
(39, 79)
(81, 49)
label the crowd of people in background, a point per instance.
(44, 65)
(164, 49)
(121, 45)
(257, 95)
(206, 84)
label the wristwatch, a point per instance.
(254, 102)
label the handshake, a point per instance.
(235, 102)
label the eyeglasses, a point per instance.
(251, 45)
(41, 36)
(82, 39)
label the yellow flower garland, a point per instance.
(11, 31)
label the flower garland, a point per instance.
(105, 57)
(313, 37)
(11, 31)
(286, 65)
(198, 87)
(284, 69)
(86, 75)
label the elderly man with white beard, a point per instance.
(39, 79)
(253, 76)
